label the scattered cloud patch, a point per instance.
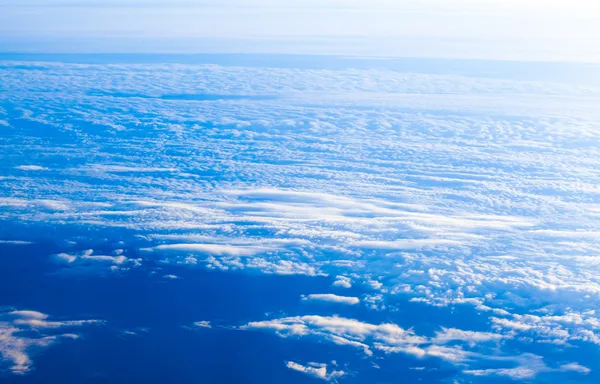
(342, 282)
(31, 168)
(88, 262)
(23, 332)
(316, 370)
(528, 367)
(171, 277)
(212, 249)
(455, 346)
(203, 324)
(331, 298)
(449, 335)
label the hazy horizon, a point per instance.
(496, 30)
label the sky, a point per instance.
(348, 204)
(556, 30)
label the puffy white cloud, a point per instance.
(343, 282)
(553, 328)
(316, 370)
(574, 367)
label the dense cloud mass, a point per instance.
(476, 195)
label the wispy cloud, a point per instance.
(390, 338)
(25, 331)
(331, 298)
(88, 262)
(31, 168)
(212, 249)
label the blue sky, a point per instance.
(529, 30)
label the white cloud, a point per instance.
(15, 242)
(390, 338)
(24, 331)
(343, 282)
(519, 373)
(316, 370)
(13, 202)
(408, 244)
(128, 169)
(171, 277)
(54, 205)
(374, 284)
(529, 366)
(375, 302)
(341, 331)
(27, 314)
(87, 262)
(574, 367)
(448, 335)
(556, 329)
(331, 298)
(582, 234)
(213, 249)
(202, 324)
(31, 168)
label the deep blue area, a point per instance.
(167, 351)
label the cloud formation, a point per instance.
(331, 298)
(25, 331)
(486, 205)
(454, 346)
(88, 262)
(316, 370)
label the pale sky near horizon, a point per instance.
(529, 29)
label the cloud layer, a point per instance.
(475, 194)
